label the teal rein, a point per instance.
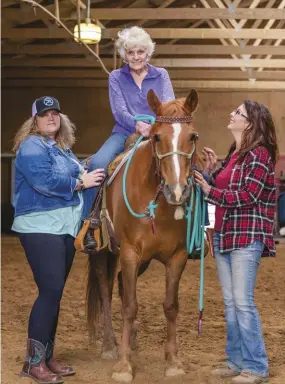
(151, 206)
(197, 240)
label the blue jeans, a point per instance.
(237, 274)
(50, 258)
(109, 150)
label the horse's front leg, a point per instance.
(174, 270)
(122, 371)
(143, 267)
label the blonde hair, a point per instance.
(134, 37)
(65, 136)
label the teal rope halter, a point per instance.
(197, 239)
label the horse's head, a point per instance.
(174, 141)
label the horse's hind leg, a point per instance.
(174, 270)
(103, 266)
(142, 269)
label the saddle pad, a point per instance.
(116, 165)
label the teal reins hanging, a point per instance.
(151, 206)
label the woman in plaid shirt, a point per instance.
(244, 193)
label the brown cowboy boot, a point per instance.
(89, 241)
(35, 367)
(54, 365)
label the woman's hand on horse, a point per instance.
(199, 179)
(211, 160)
(143, 128)
(93, 178)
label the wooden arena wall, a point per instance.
(89, 109)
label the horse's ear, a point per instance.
(191, 102)
(153, 101)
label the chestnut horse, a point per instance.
(160, 164)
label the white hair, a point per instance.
(134, 37)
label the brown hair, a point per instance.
(65, 136)
(260, 131)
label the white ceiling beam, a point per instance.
(257, 23)
(220, 25)
(235, 24)
(166, 62)
(156, 33)
(67, 13)
(160, 49)
(277, 43)
(268, 25)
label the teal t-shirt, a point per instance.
(61, 221)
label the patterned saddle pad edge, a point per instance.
(118, 167)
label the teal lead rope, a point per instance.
(197, 239)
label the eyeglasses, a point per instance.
(139, 53)
(238, 112)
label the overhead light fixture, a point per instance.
(88, 32)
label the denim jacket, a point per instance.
(45, 176)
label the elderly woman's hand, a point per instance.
(93, 178)
(211, 160)
(199, 179)
(143, 128)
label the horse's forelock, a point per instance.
(174, 108)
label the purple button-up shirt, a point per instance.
(128, 100)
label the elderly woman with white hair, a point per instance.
(128, 88)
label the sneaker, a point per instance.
(249, 378)
(224, 371)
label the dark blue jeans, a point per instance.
(109, 150)
(50, 258)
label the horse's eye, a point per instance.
(156, 138)
(194, 136)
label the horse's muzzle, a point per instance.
(176, 194)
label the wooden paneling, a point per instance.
(89, 109)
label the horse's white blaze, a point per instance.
(176, 133)
(179, 213)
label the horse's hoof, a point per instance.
(174, 371)
(122, 372)
(122, 377)
(111, 354)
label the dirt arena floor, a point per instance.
(198, 354)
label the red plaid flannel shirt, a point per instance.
(250, 202)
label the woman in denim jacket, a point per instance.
(244, 193)
(48, 207)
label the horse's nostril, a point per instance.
(167, 188)
(186, 191)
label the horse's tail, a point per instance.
(101, 266)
